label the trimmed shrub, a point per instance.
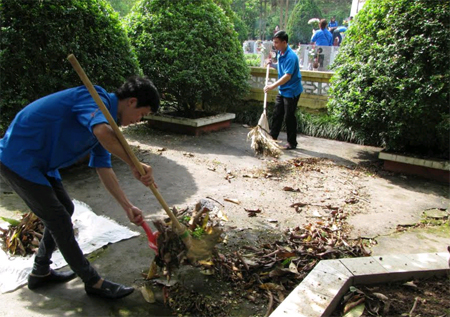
(37, 37)
(298, 29)
(392, 78)
(191, 51)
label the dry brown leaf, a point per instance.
(148, 294)
(256, 211)
(290, 189)
(271, 286)
(234, 201)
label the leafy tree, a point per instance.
(239, 25)
(37, 37)
(298, 28)
(190, 50)
(392, 79)
(340, 9)
(248, 11)
(122, 6)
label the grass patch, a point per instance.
(318, 124)
(252, 60)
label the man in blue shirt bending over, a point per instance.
(290, 88)
(54, 132)
(322, 37)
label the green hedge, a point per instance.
(392, 76)
(191, 51)
(298, 29)
(37, 37)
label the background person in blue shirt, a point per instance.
(322, 37)
(54, 132)
(290, 88)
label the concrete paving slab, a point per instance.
(310, 297)
(302, 302)
(364, 270)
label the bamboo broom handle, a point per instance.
(265, 93)
(72, 59)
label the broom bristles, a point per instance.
(262, 142)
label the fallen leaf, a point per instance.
(249, 176)
(410, 284)
(380, 296)
(12, 222)
(271, 286)
(293, 268)
(295, 205)
(351, 200)
(222, 216)
(207, 263)
(290, 189)
(356, 311)
(148, 294)
(257, 211)
(234, 201)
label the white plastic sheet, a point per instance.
(93, 233)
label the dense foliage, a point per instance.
(190, 50)
(392, 79)
(37, 37)
(298, 28)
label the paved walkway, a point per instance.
(400, 200)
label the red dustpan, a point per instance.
(151, 237)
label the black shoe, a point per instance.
(109, 290)
(54, 277)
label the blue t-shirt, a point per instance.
(323, 38)
(54, 132)
(288, 64)
(333, 24)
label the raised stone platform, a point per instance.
(190, 126)
(320, 292)
(431, 169)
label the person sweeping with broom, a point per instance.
(290, 88)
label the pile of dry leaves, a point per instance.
(22, 237)
(258, 273)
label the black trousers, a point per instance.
(55, 208)
(285, 109)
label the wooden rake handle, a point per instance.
(72, 59)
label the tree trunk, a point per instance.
(280, 4)
(286, 14)
(265, 21)
(260, 19)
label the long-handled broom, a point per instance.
(262, 141)
(196, 249)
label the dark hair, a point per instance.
(141, 88)
(282, 35)
(323, 24)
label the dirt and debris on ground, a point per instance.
(265, 200)
(261, 275)
(417, 297)
(22, 237)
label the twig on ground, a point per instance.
(414, 307)
(269, 307)
(215, 201)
